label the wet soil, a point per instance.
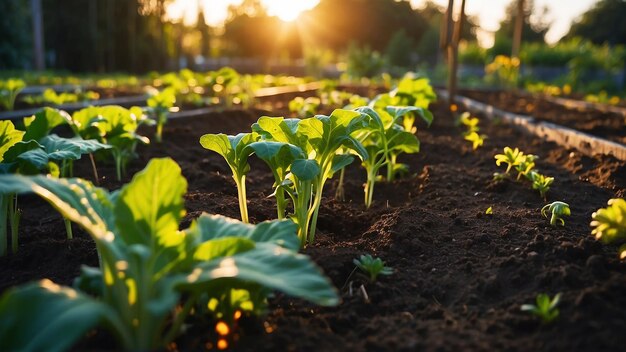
(607, 125)
(460, 276)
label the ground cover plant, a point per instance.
(147, 265)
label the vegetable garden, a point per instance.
(376, 226)
(372, 209)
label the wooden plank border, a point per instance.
(566, 137)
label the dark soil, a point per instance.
(607, 125)
(460, 276)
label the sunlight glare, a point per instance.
(288, 10)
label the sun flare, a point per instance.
(288, 10)
(216, 10)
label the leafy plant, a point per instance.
(372, 266)
(50, 96)
(511, 157)
(471, 134)
(304, 107)
(234, 149)
(320, 138)
(9, 89)
(152, 276)
(526, 165)
(610, 224)
(541, 183)
(544, 308)
(113, 125)
(160, 106)
(558, 211)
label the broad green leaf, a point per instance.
(222, 247)
(149, 209)
(53, 142)
(9, 136)
(210, 227)
(269, 266)
(277, 129)
(400, 140)
(44, 316)
(76, 199)
(340, 161)
(60, 148)
(40, 124)
(277, 155)
(218, 143)
(305, 169)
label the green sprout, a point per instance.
(541, 183)
(545, 308)
(9, 90)
(477, 139)
(610, 224)
(511, 157)
(558, 210)
(526, 165)
(161, 104)
(372, 266)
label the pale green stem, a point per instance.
(14, 217)
(241, 194)
(340, 193)
(95, 170)
(281, 203)
(68, 228)
(4, 212)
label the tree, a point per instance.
(603, 23)
(534, 28)
(16, 45)
(335, 24)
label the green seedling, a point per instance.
(115, 126)
(558, 211)
(160, 105)
(476, 139)
(9, 90)
(526, 166)
(320, 138)
(372, 266)
(511, 157)
(152, 274)
(234, 149)
(545, 307)
(610, 224)
(304, 107)
(541, 183)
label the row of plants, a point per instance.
(152, 275)
(304, 153)
(103, 133)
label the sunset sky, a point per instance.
(489, 12)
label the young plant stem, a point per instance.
(4, 212)
(118, 166)
(161, 118)
(68, 228)
(369, 188)
(14, 218)
(301, 203)
(95, 170)
(340, 193)
(241, 194)
(179, 320)
(281, 203)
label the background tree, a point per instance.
(605, 22)
(534, 28)
(15, 40)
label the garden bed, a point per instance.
(604, 124)
(460, 276)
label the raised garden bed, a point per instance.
(460, 276)
(604, 124)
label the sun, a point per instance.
(288, 10)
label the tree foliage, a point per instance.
(603, 23)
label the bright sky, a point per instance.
(489, 12)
